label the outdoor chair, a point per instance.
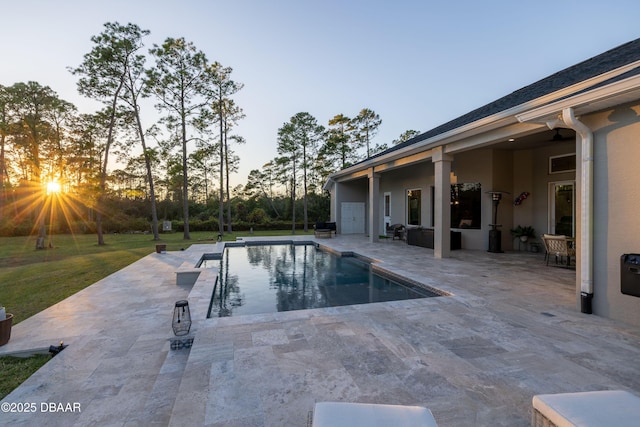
(396, 230)
(324, 229)
(558, 245)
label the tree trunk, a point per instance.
(42, 227)
(293, 200)
(226, 167)
(3, 174)
(221, 201)
(147, 161)
(304, 200)
(99, 227)
(273, 205)
(185, 180)
(103, 168)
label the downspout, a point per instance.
(586, 207)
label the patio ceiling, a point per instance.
(536, 140)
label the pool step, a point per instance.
(162, 396)
(187, 274)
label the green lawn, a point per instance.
(32, 280)
(13, 371)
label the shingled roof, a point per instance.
(607, 61)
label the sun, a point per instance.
(53, 187)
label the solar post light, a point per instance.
(6, 320)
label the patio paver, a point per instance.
(511, 330)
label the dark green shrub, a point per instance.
(258, 216)
(14, 227)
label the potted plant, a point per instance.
(5, 326)
(524, 233)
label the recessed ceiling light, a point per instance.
(511, 139)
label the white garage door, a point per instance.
(352, 216)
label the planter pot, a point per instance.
(5, 329)
(161, 249)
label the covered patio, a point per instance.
(509, 331)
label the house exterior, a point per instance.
(562, 153)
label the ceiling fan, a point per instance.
(558, 136)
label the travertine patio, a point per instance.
(511, 330)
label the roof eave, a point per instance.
(517, 114)
(587, 102)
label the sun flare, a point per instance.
(53, 187)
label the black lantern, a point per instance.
(495, 235)
(181, 318)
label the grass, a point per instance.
(32, 280)
(15, 370)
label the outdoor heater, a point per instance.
(181, 318)
(495, 235)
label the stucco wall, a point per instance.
(502, 180)
(350, 191)
(539, 198)
(397, 182)
(523, 214)
(475, 166)
(616, 198)
(471, 166)
(616, 223)
(513, 171)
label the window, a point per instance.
(564, 163)
(466, 205)
(414, 201)
(562, 208)
(387, 204)
(433, 206)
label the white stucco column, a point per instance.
(334, 212)
(374, 205)
(442, 203)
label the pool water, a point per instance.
(269, 278)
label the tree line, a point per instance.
(44, 139)
(309, 152)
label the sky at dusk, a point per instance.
(417, 64)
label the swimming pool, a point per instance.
(257, 279)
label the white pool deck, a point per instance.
(510, 330)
